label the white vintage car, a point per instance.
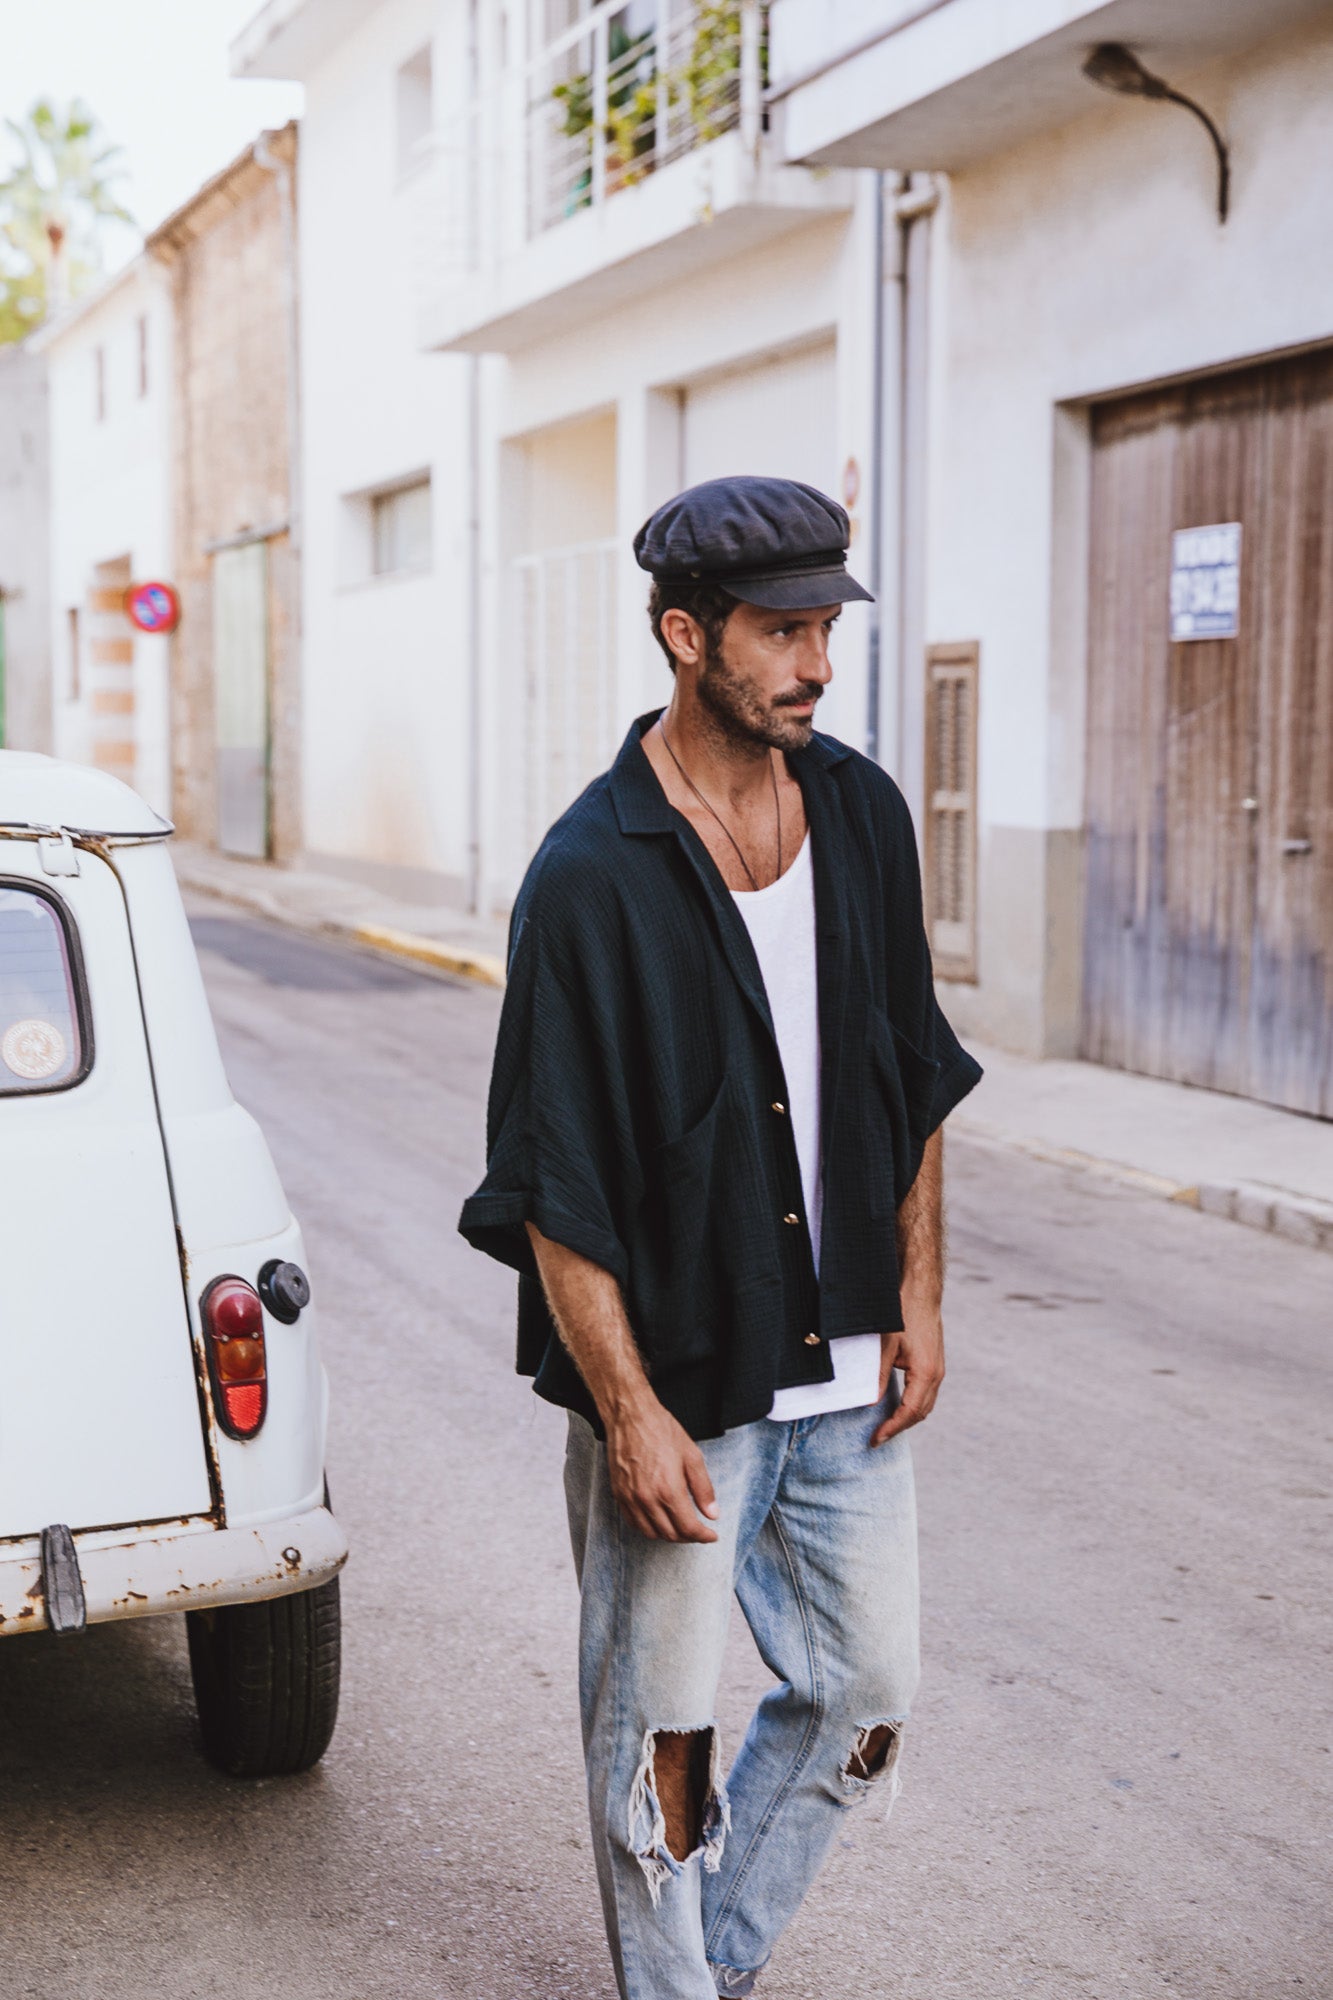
(162, 1399)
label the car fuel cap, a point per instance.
(285, 1290)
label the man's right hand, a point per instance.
(658, 1475)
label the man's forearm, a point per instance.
(919, 1348)
(921, 1230)
(589, 1314)
(657, 1471)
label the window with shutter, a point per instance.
(951, 808)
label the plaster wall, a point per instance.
(387, 658)
(25, 550)
(798, 293)
(1086, 262)
(110, 501)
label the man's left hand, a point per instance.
(919, 1351)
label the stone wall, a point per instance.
(229, 255)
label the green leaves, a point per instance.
(639, 93)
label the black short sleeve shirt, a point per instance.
(637, 1102)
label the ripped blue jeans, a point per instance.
(817, 1538)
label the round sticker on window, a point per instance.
(32, 1050)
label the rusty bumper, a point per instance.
(181, 1571)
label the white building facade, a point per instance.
(1110, 364)
(598, 285)
(909, 251)
(386, 482)
(109, 397)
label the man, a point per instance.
(715, 1161)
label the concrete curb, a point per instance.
(1297, 1217)
(1278, 1211)
(479, 965)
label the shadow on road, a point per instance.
(285, 958)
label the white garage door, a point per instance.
(775, 417)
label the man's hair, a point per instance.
(707, 604)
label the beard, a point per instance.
(741, 714)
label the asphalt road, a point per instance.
(1118, 1763)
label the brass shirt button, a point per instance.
(795, 1220)
(812, 1340)
(781, 1109)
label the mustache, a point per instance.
(809, 691)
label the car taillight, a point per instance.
(234, 1337)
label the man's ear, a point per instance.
(685, 637)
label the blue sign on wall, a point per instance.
(1205, 582)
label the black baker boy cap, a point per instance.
(772, 542)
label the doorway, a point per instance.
(1208, 954)
(241, 698)
(558, 694)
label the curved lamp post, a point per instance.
(1117, 68)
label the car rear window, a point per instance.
(42, 1042)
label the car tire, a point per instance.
(266, 1681)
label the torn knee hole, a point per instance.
(679, 1764)
(678, 1806)
(875, 1748)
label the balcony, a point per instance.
(629, 152)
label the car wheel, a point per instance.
(266, 1681)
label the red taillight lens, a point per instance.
(234, 1337)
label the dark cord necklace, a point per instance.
(777, 806)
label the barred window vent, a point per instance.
(951, 807)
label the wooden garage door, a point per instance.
(1209, 941)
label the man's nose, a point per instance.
(815, 662)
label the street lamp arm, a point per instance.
(1219, 147)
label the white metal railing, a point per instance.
(631, 87)
(559, 688)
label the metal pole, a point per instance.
(295, 689)
(876, 566)
(478, 891)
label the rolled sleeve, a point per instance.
(557, 1117)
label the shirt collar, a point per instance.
(641, 804)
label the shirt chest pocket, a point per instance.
(897, 1100)
(694, 1238)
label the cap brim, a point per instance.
(804, 592)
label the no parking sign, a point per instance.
(153, 607)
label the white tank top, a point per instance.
(781, 923)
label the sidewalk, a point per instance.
(1228, 1155)
(1270, 1169)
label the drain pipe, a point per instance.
(883, 316)
(477, 887)
(273, 163)
(898, 421)
(478, 890)
(912, 209)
